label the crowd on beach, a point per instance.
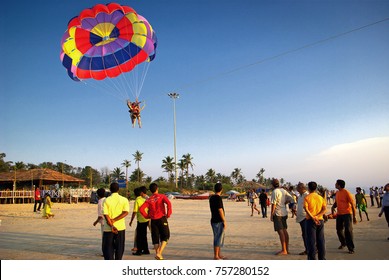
(307, 205)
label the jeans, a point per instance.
(344, 229)
(113, 245)
(315, 239)
(264, 210)
(304, 234)
(218, 234)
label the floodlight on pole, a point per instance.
(174, 96)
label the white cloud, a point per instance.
(362, 163)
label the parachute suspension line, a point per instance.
(117, 82)
(145, 70)
(102, 87)
(131, 80)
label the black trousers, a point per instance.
(39, 203)
(141, 237)
(113, 245)
(344, 229)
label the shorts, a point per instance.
(280, 222)
(362, 207)
(160, 230)
(218, 234)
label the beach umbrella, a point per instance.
(232, 192)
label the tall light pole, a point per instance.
(174, 96)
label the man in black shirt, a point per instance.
(218, 221)
(263, 202)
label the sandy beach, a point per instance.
(25, 235)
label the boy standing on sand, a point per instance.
(218, 221)
(361, 203)
(160, 210)
(142, 223)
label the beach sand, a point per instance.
(25, 235)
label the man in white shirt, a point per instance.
(301, 214)
(279, 214)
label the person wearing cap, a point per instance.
(279, 214)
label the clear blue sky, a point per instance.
(319, 114)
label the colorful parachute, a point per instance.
(106, 41)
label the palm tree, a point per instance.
(138, 157)
(260, 175)
(181, 166)
(117, 173)
(126, 164)
(210, 175)
(237, 175)
(20, 165)
(187, 161)
(137, 175)
(4, 165)
(168, 166)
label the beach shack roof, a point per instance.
(44, 176)
(250, 185)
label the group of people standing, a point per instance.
(311, 209)
(377, 195)
(311, 214)
(153, 211)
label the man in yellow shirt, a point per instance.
(115, 209)
(315, 207)
(142, 222)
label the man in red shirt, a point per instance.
(159, 210)
(344, 222)
(38, 200)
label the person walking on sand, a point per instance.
(315, 206)
(142, 222)
(344, 221)
(252, 197)
(47, 207)
(159, 210)
(115, 209)
(301, 214)
(385, 204)
(263, 201)
(279, 214)
(218, 221)
(100, 216)
(376, 196)
(361, 203)
(38, 199)
(371, 197)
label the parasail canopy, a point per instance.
(107, 41)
